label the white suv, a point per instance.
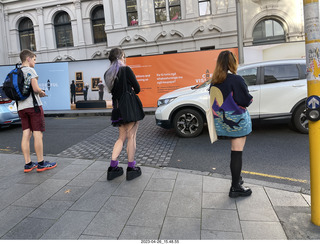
(279, 90)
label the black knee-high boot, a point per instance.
(235, 167)
(237, 190)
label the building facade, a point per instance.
(69, 30)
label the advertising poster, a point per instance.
(161, 74)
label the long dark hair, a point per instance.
(115, 57)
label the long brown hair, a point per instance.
(226, 61)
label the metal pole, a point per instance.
(312, 40)
(240, 32)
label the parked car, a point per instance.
(279, 90)
(8, 110)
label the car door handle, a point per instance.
(298, 85)
(253, 90)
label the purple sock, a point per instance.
(114, 163)
(131, 164)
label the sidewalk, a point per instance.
(75, 201)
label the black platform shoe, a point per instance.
(241, 181)
(114, 172)
(133, 173)
(239, 191)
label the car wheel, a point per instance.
(299, 119)
(188, 123)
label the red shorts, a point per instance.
(32, 120)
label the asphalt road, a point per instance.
(273, 151)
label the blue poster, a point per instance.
(54, 79)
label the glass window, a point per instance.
(249, 75)
(26, 35)
(268, 31)
(98, 23)
(174, 9)
(204, 7)
(160, 10)
(63, 30)
(280, 73)
(132, 13)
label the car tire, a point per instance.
(299, 119)
(188, 123)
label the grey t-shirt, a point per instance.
(29, 73)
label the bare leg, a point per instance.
(237, 144)
(38, 144)
(117, 148)
(131, 144)
(25, 145)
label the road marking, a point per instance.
(6, 150)
(274, 176)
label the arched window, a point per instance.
(98, 22)
(268, 31)
(26, 35)
(63, 30)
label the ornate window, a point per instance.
(268, 31)
(166, 10)
(26, 35)
(132, 13)
(63, 30)
(98, 23)
(204, 7)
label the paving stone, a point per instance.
(256, 230)
(256, 207)
(11, 216)
(211, 184)
(70, 226)
(86, 178)
(87, 237)
(160, 185)
(181, 229)
(164, 174)
(220, 235)
(218, 201)
(140, 233)
(286, 198)
(185, 202)
(69, 193)
(112, 218)
(70, 172)
(220, 220)
(51, 210)
(29, 229)
(41, 193)
(13, 193)
(95, 197)
(150, 210)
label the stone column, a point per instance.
(107, 14)
(43, 42)
(77, 4)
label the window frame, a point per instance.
(94, 22)
(298, 73)
(65, 30)
(263, 38)
(168, 6)
(30, 33)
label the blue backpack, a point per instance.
(15, 86)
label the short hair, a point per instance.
(26, 54)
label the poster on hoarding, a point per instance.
(160, 74)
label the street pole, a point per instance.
(240, 32)
(312, 40)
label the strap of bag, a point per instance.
(125, 85)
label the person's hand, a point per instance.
(42, 93)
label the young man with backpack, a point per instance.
(32, 117)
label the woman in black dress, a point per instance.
(115, 76)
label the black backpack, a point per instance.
(17, 88)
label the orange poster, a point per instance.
(161, 74)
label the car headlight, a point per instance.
(165, 101)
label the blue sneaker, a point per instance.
(28, 168)
(45, 166)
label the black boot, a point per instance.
(114, 172)
(239, 191)
(133, 172)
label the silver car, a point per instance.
(8, 110)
